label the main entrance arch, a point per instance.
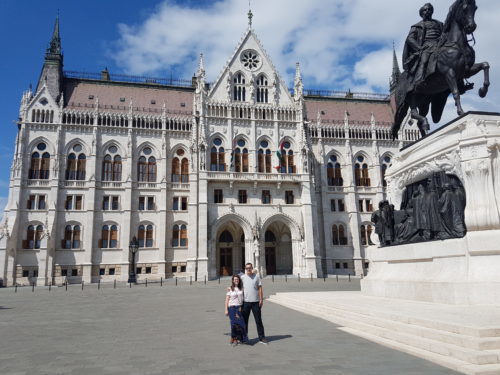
(228, 251)
(278, 249)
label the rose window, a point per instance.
(250, 59)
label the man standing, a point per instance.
(253, 299)
(421, 42)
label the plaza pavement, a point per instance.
(179, 330)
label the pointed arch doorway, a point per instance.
(230, 250)
(278, 249)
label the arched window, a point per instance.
(117, 168)
(264, 156)
(72, 235)
(175, 236)
(386, 163)
(152, 169)
(285, 156)
(107, 168)
(342, 235)
(361, 172)
(365, 233)
(335, 235)
(33, 237)
(179, 235)
(184, 171)
(34, 172)
(76, 164)
(45, 166)
(146, 166)
(180, 167)
(338, 235)
(239, 90)
(81, 167)
(39, 167)
(262, 90)
(71, 167)
(109, 237)
(142, 169)
(240, 156)
(184, 239)
(145, 235)
(217, 156)
(226, 237)
(176, 170)
(334, 172)
(112, 165)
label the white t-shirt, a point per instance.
(235, 297)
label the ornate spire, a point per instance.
(201, 67)
(396, 73)
(250, 15)
(298, 86)
(54, 51)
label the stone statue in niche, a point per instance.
(431, 209)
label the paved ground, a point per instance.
(179, 330)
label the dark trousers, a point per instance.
(255, 308)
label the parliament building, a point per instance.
(206, 176)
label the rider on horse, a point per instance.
(419, 59)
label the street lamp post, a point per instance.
(133, 247)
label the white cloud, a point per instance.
(341, 44)
(375, 69)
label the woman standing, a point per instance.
(234, 301)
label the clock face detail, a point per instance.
(251, 60)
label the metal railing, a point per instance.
(129, 78)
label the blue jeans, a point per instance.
(238, 326)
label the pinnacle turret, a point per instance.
(54, 51)
(52, 71)
(396, 73)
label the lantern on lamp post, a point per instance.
(133, 248)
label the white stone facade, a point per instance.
(74, 219)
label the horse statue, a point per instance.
(454, 62)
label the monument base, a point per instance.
(457, 271)
(454, 271)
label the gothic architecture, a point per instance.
(206, 176)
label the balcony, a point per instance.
(35, 183)
(148, 185)
(254, 177)
(111, 185)
(74, 184)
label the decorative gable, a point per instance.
(42, 107)
(250, 77)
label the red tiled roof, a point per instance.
(110, 94)
(360, 111)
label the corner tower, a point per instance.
(52, 71)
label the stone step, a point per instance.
(443, 325)
(465, 341)
(357, 321)
(445, 361)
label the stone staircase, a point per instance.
(465, 342)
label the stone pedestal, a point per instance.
(456, 271)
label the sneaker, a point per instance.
(231, 342)
(235, 343)
(263, 341)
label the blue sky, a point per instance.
(341, 44)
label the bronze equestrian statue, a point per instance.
(437, 60)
